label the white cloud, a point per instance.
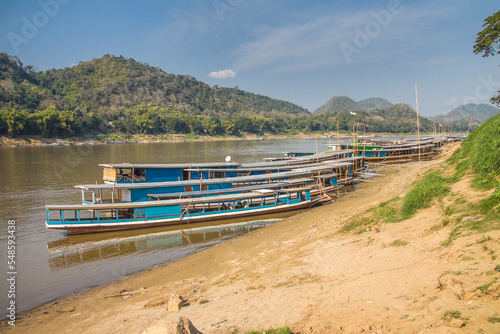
(314, 42)
(300, 46)
(223, 74)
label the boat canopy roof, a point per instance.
(276, 185)
(409, 147)
(293, 162)
(237, 179)
(325, 166)
(321, 164)
(174, 166)
(180, 201)
(325, 176)
(323, 155)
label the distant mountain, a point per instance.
(374, 103)
(338, 104)
(479, 112)
(341, 103)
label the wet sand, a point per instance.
(302, 273)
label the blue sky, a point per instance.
(301, 51)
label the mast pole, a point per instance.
(418, 130)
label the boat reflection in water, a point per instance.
(75, 250)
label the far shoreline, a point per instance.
(34, 141)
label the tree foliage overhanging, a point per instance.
(119, 95)
(488, 42)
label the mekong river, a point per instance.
(49, 264)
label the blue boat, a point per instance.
(138, 191)
(132, 173)
(78, 219)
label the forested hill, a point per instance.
(342, 103)
(116, 95)
(479, 113)
(374, 103)
(338, 104)
(111, 83)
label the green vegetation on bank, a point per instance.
(431, 186)
(479, 157)
(283, 330)
(480, 151)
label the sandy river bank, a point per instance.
(301, 273)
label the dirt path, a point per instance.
(301, 273)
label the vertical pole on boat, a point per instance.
(418, 129)
(364, 135)
(353, 133)
(317, 163)
(133, 173)
(113, 193)
(434, 127)
(338, 134)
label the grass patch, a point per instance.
(282, 330)
(452, 314)
(479, 152)
(487, 205)
(484, 288)
(433, 185)
(398, 243)
(386, 212)
(474, 221)
(483, 239)
(494, 320)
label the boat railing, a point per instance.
(130, 178)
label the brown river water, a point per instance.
(50, 264)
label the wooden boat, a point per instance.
(398, 155)
(130, 173)
(78, 219)
(324, 177)
(135, 173)
(138, 191)
(392, 152)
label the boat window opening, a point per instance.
(218, 175)
(188, 188)
(139, 213)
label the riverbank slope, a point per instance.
(303, 273)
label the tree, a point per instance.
(16, 121)
(488, 42)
